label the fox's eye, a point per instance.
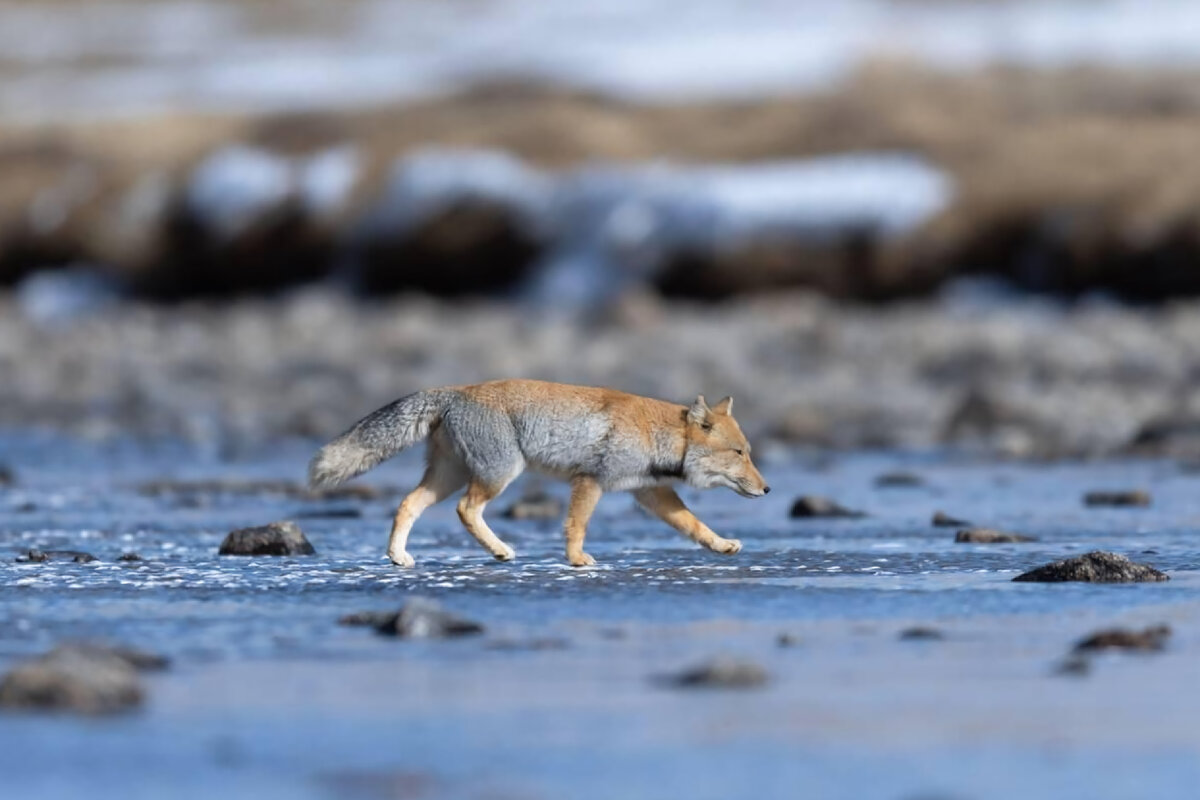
(706, 426)
(740, 452)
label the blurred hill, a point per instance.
(1062, 181)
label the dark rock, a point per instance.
(812, 506)
(943, 520)
(82, 677)
(720, 673)
(1150, 639)
(786, 640)
(367, 619)
(130, 557)
(1095, 567)
(330, 513)
(1174, 436)
(1075, 666)
(40, 556)
(536, 505)
(425, 619)
(7, 476)
(989, 536)
(276, 539)
(921, 633)
(1133, 498)
(899, 480)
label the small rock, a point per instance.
(989, 536)
(1133, 498)
(7, 476)
(276, 539)
(1151, 639)
(786, 640)
(812, 506)
(330, 513)
(943, 520)
(40, 556)
(536, 505)
(721, 673)
(921, 633)
(425, 619)
(896, 480)
(367, 619)
(1077, 666)
(130, 557)
(81, 677)
(1095, 567)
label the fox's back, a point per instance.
(566, 430)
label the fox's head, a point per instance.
(717, 451)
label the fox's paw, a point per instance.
(581, 560)
(402, 559)
(727, 547)
(506, 554)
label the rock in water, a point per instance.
(536, 505)
(899, 480)
(989, 536)
(425, 619)
(40, 556)
(276, 539)
(1151, 639)
(7, 477)
(80, 677)
(812, 506)
(1095, 567)
(720, 673)
(921, 633)
(1133, 499)
(943, 520)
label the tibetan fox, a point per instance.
(600, 440)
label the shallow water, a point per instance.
(269, 697)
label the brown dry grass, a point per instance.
(1089, 169)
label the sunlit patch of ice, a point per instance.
(239, 185)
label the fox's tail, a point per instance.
(376, 438)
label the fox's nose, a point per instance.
(766, 490)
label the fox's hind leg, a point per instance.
(585, 493)
(470, 511)
(444, 476)
(664, 503)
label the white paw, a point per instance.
(581, 560)
(507, 554)
(402, 559)
(729, 547)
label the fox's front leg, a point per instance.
(664, 503)
(585, 493)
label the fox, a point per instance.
(599, 440)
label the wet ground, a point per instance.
(269, 697)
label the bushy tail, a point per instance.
(376, 438)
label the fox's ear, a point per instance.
(698, 413)
(724, 407)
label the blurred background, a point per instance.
(876, 222)
(947, 235)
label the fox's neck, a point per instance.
(671, 452)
